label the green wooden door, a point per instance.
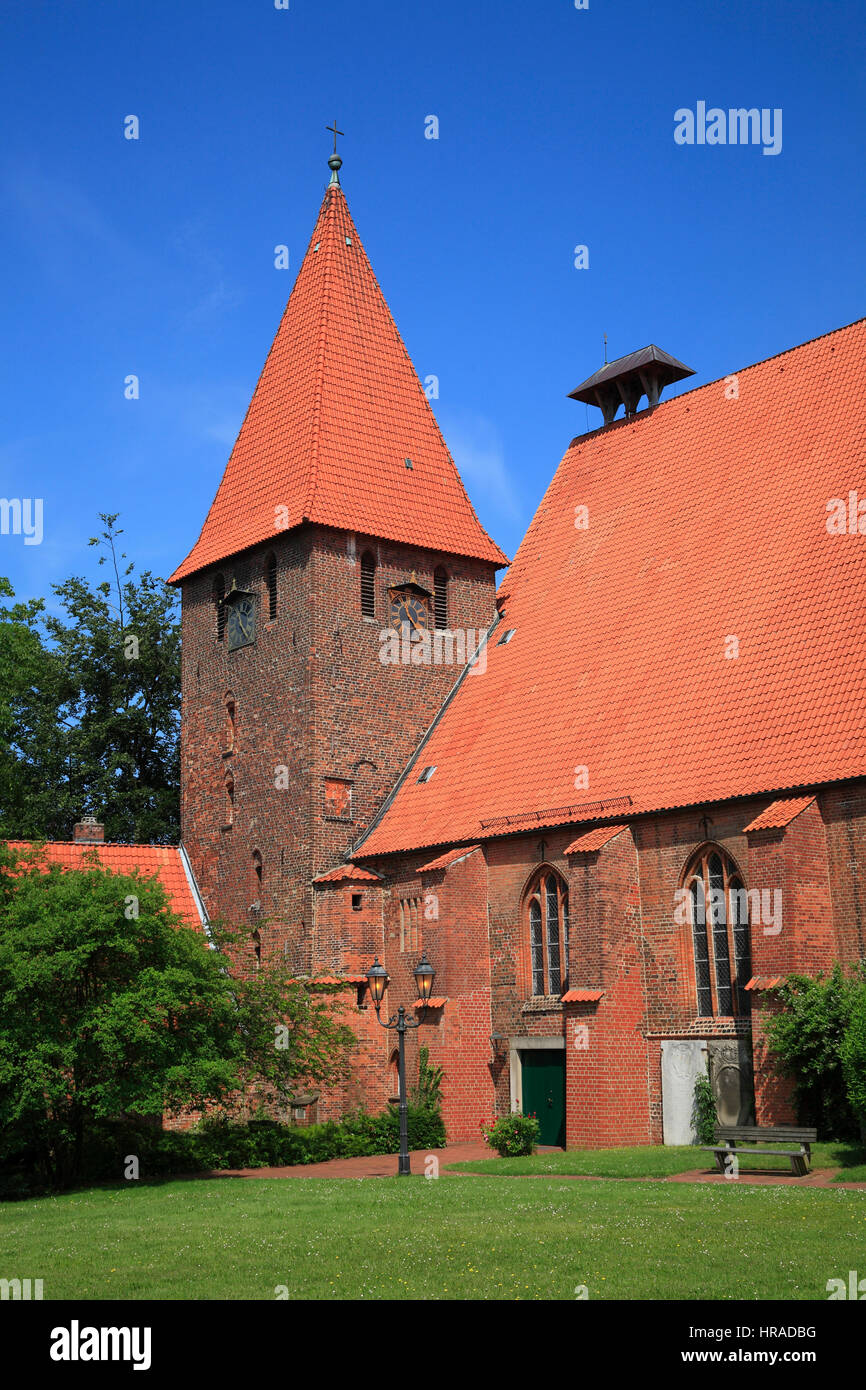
(544, 1092)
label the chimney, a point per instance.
(88, 832)
(623, 382)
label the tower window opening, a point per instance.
(219, 597)
(271, 582)
(440, 597)
(368, 584)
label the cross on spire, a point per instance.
(336, 132)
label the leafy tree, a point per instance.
(32, 757)
(854, 1059)
(807, 1037)
(90, 705)
(292, 1031)
(111, 1007)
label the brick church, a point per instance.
(614, 799)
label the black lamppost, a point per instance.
(377, 979)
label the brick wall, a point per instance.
(312, 697)
(314, 705)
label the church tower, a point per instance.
(340, 517)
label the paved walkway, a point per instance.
(379, 1167)
(386, 1166)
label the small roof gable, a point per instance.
(780, 813)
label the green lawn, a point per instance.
(659, 1162)
(455, 1238)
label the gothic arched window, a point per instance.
(230, 799)
(219, 595)
(368, 584)
(440, 597)
(271, 583)
(719, 918)
(547, 919)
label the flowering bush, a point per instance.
(511, 1136)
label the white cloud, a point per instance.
(477, 449)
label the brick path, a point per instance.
(385, 1166)
(382, 1166)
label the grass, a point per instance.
(455, 1238)
(656, 1161)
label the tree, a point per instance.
(111, 1007)
(90, 706)
(854, 1059)
(32, 757)
(807, 1037)
(292, 1030)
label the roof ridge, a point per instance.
(328, 206)
(641, 416)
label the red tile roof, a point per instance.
(594, 839)
(582, 996)
(445, 860)
(163, 861)
(437, 1003)
(764, 982)
(780, 813)
(337, 411)
(346, 872)
(707, 520)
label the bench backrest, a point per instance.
(783, 1134)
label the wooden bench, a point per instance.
(743, 1141)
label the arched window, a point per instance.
(258, 869)
(719, 918)
(368, 584)
(440, 597)
(230, 721)
(547, 918)
(394, 1075)
(230, 799)
(219, 595)
(271, 582)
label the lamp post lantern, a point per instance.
(377, 979)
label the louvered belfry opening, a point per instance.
(219, 595)
(368, 584)
(271, 581)
(440, 597)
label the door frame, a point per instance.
(515, 1047)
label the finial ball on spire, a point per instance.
(335, 163)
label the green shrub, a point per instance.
(704, 1115)
(511, 1136)
(216, 1142)
(429, 1087)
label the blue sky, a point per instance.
(156, 256)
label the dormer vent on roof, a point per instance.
(625, 381)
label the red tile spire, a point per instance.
(339, 430)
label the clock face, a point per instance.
(409, 608)
(241, 621)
